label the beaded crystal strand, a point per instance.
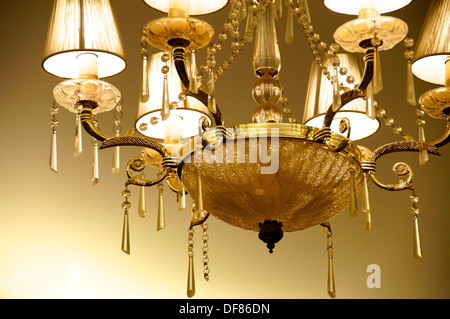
(126, 225)
(410, 90)
(53, 160)
(165, 110)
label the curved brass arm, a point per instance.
(400, 169)
(87, 120)
(444, 139)
(137, 164)
(202, 96)
(359, 91)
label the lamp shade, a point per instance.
(353, 7)
(433, 46)
(190, 110)
(196, 7)
(83, 26)
(319, 97)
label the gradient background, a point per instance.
(57, 227)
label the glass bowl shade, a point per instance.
(304, 184)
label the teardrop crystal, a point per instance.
(53, 162)
(353, 207)
(289, 36)
(410, 90)
(337, 102)
(243, 10)
(366, 204)
(331, 283)
(192, 68)
(78, 137)
(417, 245)
(145, 94)
(191, 277)
(116, 160)
(250, 19)
(142, 209)
(278, 9)
(165, 110)
(423, 151)
(126, 234)
(182, 198)
(307, 12)
(377, 75)
(211, 92)
(370, 106)
(95, 164)
(161, 222)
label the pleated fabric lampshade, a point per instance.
(190, 7)
(184, 118)
(432, 51)
(319, 97)
(83, 34)
(352, 7)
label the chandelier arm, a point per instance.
(445, 138)
(401, 146)
(137, 164)
(400, 169)
(358, 91)
(392, 187)
(87, 120)
(202, 96)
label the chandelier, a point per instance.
(275, 174)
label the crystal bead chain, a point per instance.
(417, 247)
(53, 161)
(237, 45)
(205, 250)
(117, 128)
(409, 55)
(389, 121)
(316, 45)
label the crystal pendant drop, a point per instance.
(199, 199)
(366, 204)
(78, 137)
(370, 106)
(193, 82)
(191, 277)
(181, 198)
(410, 90)
(142, 209)
(211, 92)
(353, 208)
(161, 223)
(337, 102)
(250, 18)
(116, 160)
(416, 240)
(53, 162)
(289, 36)
(95, 165)
(165, 110)
(278, 9)
(243, 10)
(423, 152)
(377, 76)
(331, 283)
(307, 12)
(145, 84)
(126, 234)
